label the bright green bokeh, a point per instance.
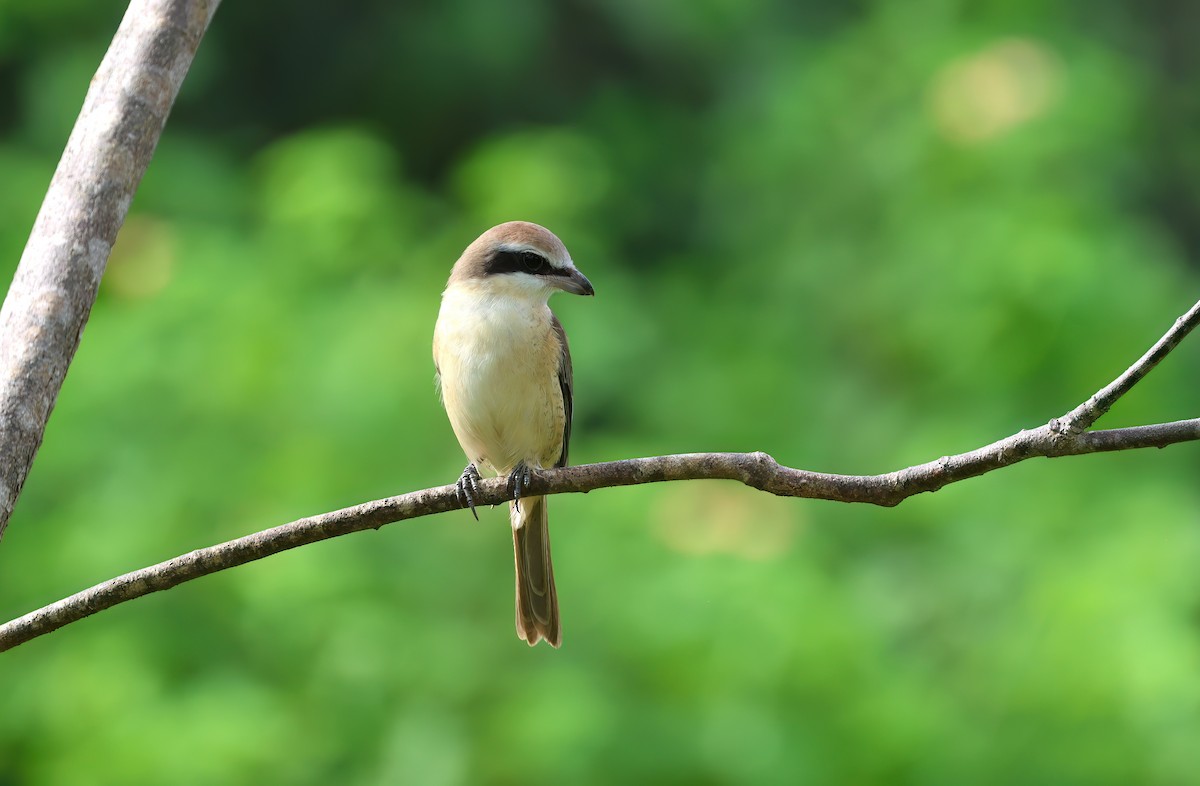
(854, 239)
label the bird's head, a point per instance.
(520, 258)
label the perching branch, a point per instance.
(1060, 437)
(56, 282)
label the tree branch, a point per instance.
(1087, 413)
(59, 274)
(757, 470)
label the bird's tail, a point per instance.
(537, 602)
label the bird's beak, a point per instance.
(576, 283)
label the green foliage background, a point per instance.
(857, 236)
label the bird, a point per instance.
(503, 369)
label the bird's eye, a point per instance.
(534, 263)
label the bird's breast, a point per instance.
(498, 364)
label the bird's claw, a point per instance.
(518, 482)
(467, 488)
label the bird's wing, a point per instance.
(566, 384)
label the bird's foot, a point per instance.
(518, 482)
(467, 488)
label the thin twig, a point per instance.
(1087, 413)
(757, 470)
(57, 279)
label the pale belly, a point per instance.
(499, 380)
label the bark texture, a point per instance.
(59, 273)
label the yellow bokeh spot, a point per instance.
(983, 96)
(702, 519)
(142, 260)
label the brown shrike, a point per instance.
(504, 371)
